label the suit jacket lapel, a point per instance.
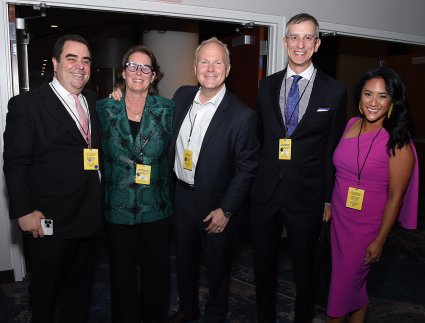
(118, 116)
(55, 106)
(180, 113)
(149, 123)
(319, 89)
(216, 120)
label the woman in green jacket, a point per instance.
(136, 136)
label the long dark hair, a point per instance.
(153, 89)
(398, 126)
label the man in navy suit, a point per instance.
(214, 154)
(295, 177)
(51, 171)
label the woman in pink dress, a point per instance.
(376, 184)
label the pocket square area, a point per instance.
(323, 109)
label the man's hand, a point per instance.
(218, 221)
(116, 94)
(31, 224)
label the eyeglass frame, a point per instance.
(139, 67)
(294, 38)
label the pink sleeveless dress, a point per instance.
(351, 230)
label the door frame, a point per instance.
(276, 61)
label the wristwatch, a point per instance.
(228, 215)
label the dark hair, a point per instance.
(301, 17)
(399, 127)
(60, 42)
(153, 88)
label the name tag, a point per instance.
(187, 164)
(143, 174)
(285, 147)
(91, 159)
(355, 198)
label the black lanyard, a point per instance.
(192, 124)
(359, 170)
(144, 141)
(298, 102)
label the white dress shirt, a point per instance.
(68, 101)
(305, 86)
(194, 125)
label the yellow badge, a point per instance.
(355, 198)
(143, 174)
(91, 159)
(187, 159)
(285, 146)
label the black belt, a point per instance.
(187, 186)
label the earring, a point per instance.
(390, 111)
(360, 109)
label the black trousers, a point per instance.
(61, 278)
(140, 275)
(191, 240)
(267, 224)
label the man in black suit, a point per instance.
(214, 151)
(298, 134)
(51, 170)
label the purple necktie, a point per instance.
(292, 103)
(83, 119)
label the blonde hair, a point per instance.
(213, 40)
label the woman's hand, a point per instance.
(374, 252)
(327, 212)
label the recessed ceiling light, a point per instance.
(54, 26)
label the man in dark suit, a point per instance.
(299, 127)
(214, 150)
(51, 169)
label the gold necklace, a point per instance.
(136, 115)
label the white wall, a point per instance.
(406, 17)
(178, 67)
(396, 20)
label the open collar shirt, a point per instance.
(192, 132)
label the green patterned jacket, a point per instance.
(125, 201)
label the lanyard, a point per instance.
(144, 140)
(298, 102)
(359, 170)
(192, 124)
(68, 108)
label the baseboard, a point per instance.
(7, 276)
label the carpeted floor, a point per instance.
(396, 286)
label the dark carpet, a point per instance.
(396, 286)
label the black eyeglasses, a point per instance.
(133, 67)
